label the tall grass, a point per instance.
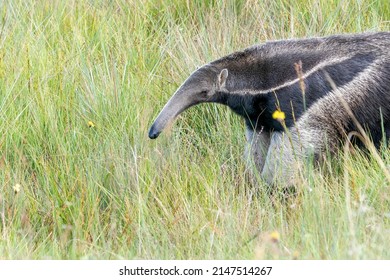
(108, 191)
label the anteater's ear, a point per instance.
(222, 78)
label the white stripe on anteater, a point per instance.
(305, 75)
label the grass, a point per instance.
(108, 192)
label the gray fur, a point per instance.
(263, 78)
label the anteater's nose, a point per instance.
(153, 133)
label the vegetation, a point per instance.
(80, 83)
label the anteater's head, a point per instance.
(201, 86)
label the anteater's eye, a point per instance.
(204, 92)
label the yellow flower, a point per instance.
(279, 115)
(295, 255)
(275, 236)
(17, 188)
(91, 124)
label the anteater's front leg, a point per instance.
(280, 162)
(256, 150)
(287, 152)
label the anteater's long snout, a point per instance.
(153, 132)
(177, 104)
(161, 122)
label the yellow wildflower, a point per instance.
(295, 255)
(275, 236)
(91, 124)
(279, 115)
(17, 188)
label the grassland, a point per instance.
(71, 189)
